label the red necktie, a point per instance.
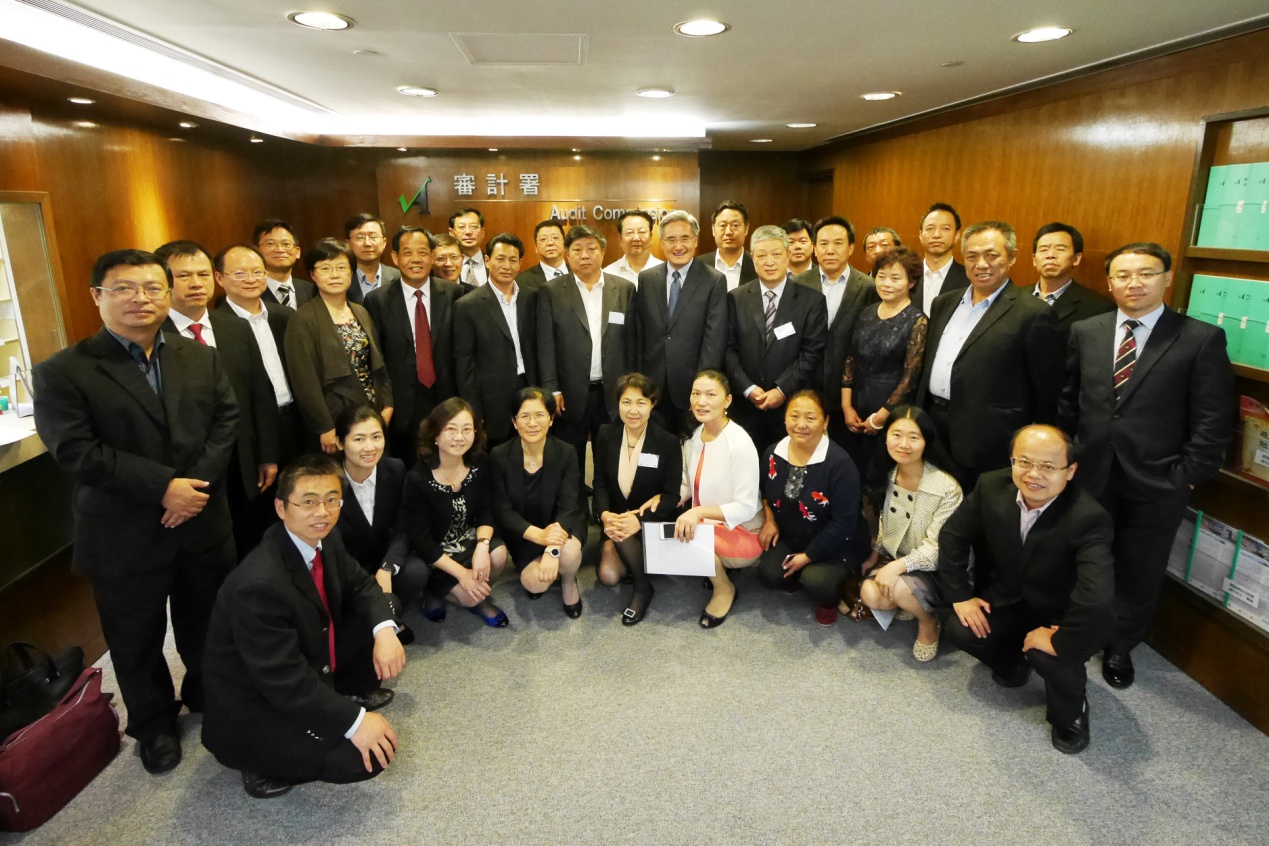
(197, 329)
(423, 343)
(319, 579)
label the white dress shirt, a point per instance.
(621, 267)
(834, 290)
(259, 323)
(762, 294)
(932, 285)
(364, 492)
(512, 317)
(554, 272)
(731, 271)
(411, 304)
(958, 328)
(1141, 333)
(183, 323)
(593, 301)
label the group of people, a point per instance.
(299, 463)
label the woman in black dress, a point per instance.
(638, 470)
(449, 516)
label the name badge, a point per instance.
(784, 330)
(648, 459)
(617, 318)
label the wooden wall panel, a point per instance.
(769, 184)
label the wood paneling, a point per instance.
(769, 184)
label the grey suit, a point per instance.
(387, 273)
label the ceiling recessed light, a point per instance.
(801, 125)
(174, 138)
(325, 21)
(880, 95)
(577, 158)
(256, 139)
(655, 93)
(416, 91)
(81, 101)
(759, 140)
(1044, 33)
(656, 158)
(85, 124)
(701, 28)
(402, 150)
(188, 124)
(369, 54)
(493, 149)
(955, 63)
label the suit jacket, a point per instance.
(565, 345)
(122, 444)
(485, 356)
(664, 479)
(1174, 422)
(957, 280)
(747, 270)
(1078, 303)
(279, 318)
(1065, 570)
(257, 404)
(394, 325)
(384, 540)
(559, 487)
(861, 291)
(534, 277)
(267, 661)
(322, 378)
(1008, 373)
(304, 291)
(790, 363)
(387, 273)
(672, 350)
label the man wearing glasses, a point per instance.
(1150, 400)
(279, 247)
(144, 422)
(367, 237)
(1040, 594)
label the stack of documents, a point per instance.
(1241, 308)
(1235, 211)
(1224, 563)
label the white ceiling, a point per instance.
(780, 62)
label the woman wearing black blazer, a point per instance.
(638, 470)
(332, 355)
(536, 486)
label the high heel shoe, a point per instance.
(575, 610)
(496, 620)
(709, 621)
(434, 612)
(636, 609)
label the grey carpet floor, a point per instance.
(770, 729)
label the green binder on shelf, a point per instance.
(1209, 212)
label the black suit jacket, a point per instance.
(394, 325)
(122, 444)
(1065, 570)
(304, 291)
(559, 487)
(1174, 422)
(384, 540)
(485, 356)
(534, 277)
(279, 318)
(267, 658)
(747, 270)
(387, 274)
(672, 350)
(861, 291)
(1008, 373)
(664, 479)
(565, 345)
(957, 280)
(790, 363)
(1078, 303)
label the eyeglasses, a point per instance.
(454, 432)
(243, 275)
(533, 417)
(129, 292)
(1026, 465)
(273, 245)
(729, 227)
(367, 238)
(312, 503)
(1143, 275)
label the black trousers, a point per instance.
(763, 427)
(594, 415)
(133, 612)
(403, 432)
(821, 581)
(966, 477)
(678, 421)
(1145, 527)
(1065, 676)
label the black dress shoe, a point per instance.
(1017, 678)
(575, 610)
(373, 700)
(637, 608)
(1073, 738)
(405, 634)
(709, 621)
(264, 787)
(162, 753)
(533, 595)
(1117, 669)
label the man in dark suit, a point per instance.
(846, 293)
(1041, 590)
(730, 229)
(584, 342)
(144, 422)
(414, 316)
(1056, 251)
(280, 248)
(1150, 398)
(993, 358)
(880, 240)
(801, 245)
(367, 235)
(467, 226)
(299, 640)
(495, 339)
(775, 339)
(940, 229)
(548, 240)
(681, 316)
(254, 463)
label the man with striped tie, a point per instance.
(1150, 400)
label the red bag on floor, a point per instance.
(44, 766)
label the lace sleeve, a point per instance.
(912, 362)
(848, 372)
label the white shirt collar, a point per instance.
(243, 313)
(308, 553)
(182, 322)
(821, 450)
(1147, 320)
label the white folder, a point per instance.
(673, 557)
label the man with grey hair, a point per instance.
(776, 335)
(883, 239)
(993, 357)
(680, 310)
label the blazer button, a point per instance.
(325, 629)
(1114, 416)
(326, 670)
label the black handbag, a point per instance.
(32, 683)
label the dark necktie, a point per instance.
(197, 329)
(769, 314)
(676, 287)
(319, 579)
(284, 294)
(423, 343)
(1125, 357)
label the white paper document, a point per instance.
(671, 557)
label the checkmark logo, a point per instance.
(415, 201)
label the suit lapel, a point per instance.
(995, 311)
(173, 361)
(689, 291)
(515, 472)
(300, 575)
(1161, 337)
(609, 304)
(114, 361)
(491, 295)
(573, 297)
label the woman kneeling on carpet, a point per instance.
(814, 531)
(919, 497)
(449, 514)
(536, 487)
